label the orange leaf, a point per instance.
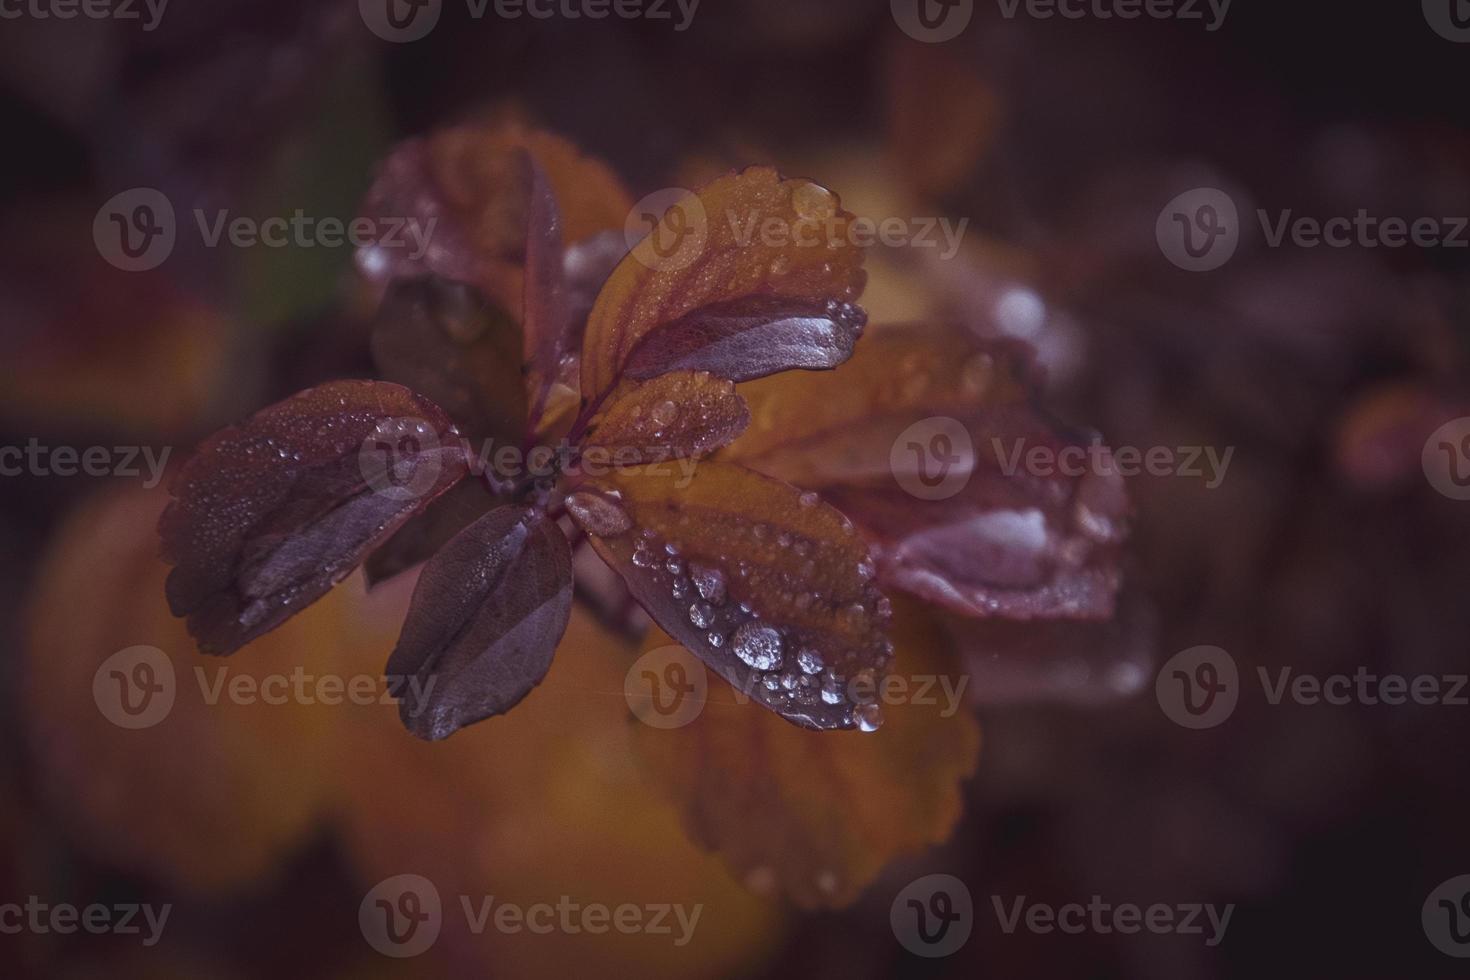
(685, 413)
(815, 816)
(746, 235)
(769, 587)
(204, 795)
(542, 803)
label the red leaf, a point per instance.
(485, 620)
(752, 337)
(272, 513)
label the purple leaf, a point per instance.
(446, 340)
(545, 318)
(429, 530)
(751, 338)
(270, 514)
(484, 622)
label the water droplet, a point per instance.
(770, 682)
(715, 639)
(813, 201)
(701, 614)
(810, 661)
(869, 717)
(831, 689)
(674, 566)
(664, 413)
(758, 645)
(709, 581)
(598, 514)
(807, 499)
(680, 588)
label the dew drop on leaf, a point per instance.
(598, 514)
(758, 645)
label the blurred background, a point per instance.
(1061, 142)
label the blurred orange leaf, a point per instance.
(815, 816)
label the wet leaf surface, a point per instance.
(770, 588)
(684, 414)
(751, 338)
(486, 618)
(429, 530)
(270, 514)
(744, 236)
